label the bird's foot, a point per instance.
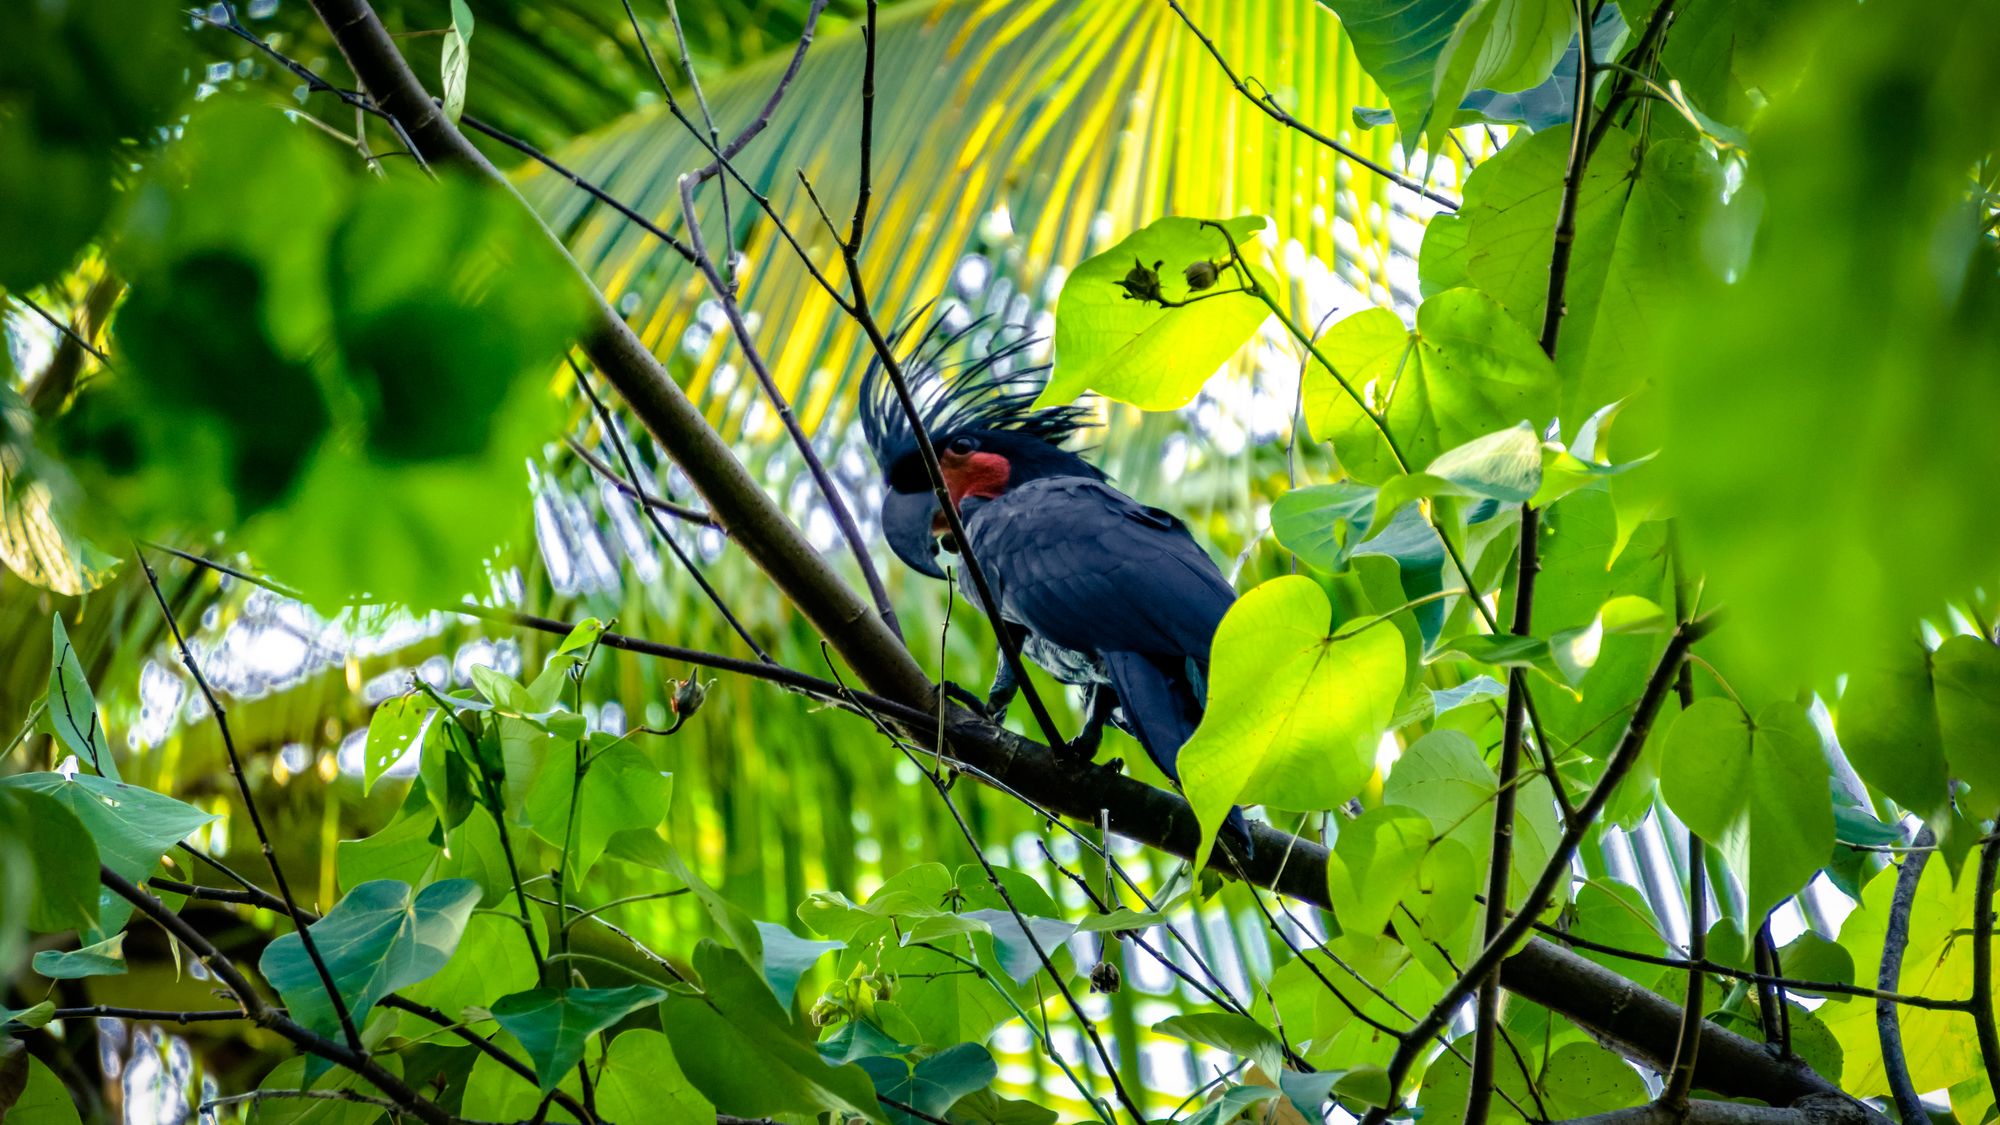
(1083, 747)
(965, 698)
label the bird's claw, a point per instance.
(965, 698)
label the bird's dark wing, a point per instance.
(1091, 569)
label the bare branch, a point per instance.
(1981, 1002)
(680, 554)
(679, 511)
(405, 1098)
(1895, 940)
(1270, 107)
(1817, 1109)
(221, 713)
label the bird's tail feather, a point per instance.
(1162, 707)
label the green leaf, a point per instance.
(622, 790)
(106, 958)
(787, 956)
(1442, 776)
(62, 861)
(27, 1019)
(456, 59)
(858, 1039)
(553, 1023)
(1012, 943)
(403, 851)
(1399, 43)
(1123, 918)
(1888, 725)
(72, 706)
(392, 732)
(984, 1107)
(641, 1081)
(1154, 357)
(743, 1052)
(1295, 710)
(492, 960)
(1637, 238)
(1584, 1079)
(1466, 371)
(1366, 1085)
(1936, 962)
(378, 938)
(133, 826)
(1871, 275)
(1237, 1035)
(1374, 864)
(1965, 672)
(43, 1100)
(1321, 523)
(1504, 45)
(1756, 790)
(1505, 466)
(1233, 1100)
(934, 1084)
(1812, 957)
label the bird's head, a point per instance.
(974, 392)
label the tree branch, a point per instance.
(1815, 1109)
(347, 1028)
(223, 969)
(603, 469)
(1895, 940)
(1982, 962)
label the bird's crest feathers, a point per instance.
(988, 389)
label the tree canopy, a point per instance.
(455, 671)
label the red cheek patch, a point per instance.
(975, 474)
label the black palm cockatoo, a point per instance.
(1102, 591)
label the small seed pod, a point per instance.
(1201, 274)
(1104, 977)
(689, 695)
(1142, 283)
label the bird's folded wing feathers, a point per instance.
(1092, 569)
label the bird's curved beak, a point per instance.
(906, 523)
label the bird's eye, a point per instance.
(962, 445)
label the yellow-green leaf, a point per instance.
(1295, 709)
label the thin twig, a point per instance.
(1680, 1077)
(151, 1015)
(659, 526)
(1554, 872)
(577, 180)
(843, 517)
(299, 922)
(714, 143)
(603, 469)
(1271, 109)
(1895, 939)
(219, 965)
(67, 331)
(1981, 1001)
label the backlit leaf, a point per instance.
(1151, 356)
(381, 936)
(1755, 790)
(1295, 709)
